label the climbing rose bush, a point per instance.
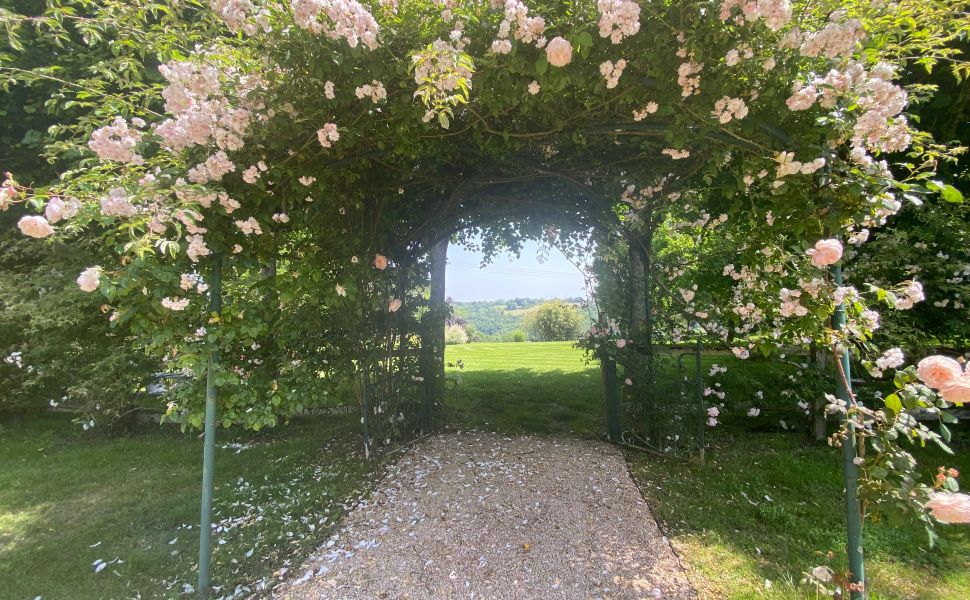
(281, 144)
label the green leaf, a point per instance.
(443, 120)
(894, 403)
(951, 194)
(542, 65)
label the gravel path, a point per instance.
(477, 515)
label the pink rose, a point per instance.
(394, 304)
(559, 52)
(957, 391)
(89, 279)
(380, 261)
(825, 252)
(620, 343)
(937, 371)
(949, 507)
(35, 227)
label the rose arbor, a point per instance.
(277, 201)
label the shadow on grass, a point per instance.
(67, 500)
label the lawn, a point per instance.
(766, 506)
(748, 523)
(528, 387)
(68, 500)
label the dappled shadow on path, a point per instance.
(481, 515)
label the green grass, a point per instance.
(735, 539)
(732, 543)
(67, 500)
(529, 387)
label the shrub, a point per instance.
(518, 335)
(455, 334)
(553, 321)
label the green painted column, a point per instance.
(612, 398)
(699, 397)
(209, 448)
(850, 471)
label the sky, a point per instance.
(507, 277)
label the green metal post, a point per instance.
(699, 396)
(365, 410)
(850, 472)
(208, 452)
(650, 416)
(612, 397)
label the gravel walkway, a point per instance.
(477, 515)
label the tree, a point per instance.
(553, 321)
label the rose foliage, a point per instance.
(316, 149)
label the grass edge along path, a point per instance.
(768, 507)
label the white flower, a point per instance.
(176, 304)
(534, 87)
(328, 134)
(823, 574)
(618, 19)
(35, 226)
(559, 52)
(89, 279)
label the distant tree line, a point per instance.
(519, 319)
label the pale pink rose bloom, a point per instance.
(957, 391)
(341, 291)
(89, 279)
(176, 304)
(380, 261)
(949, 507)
(628, 381)
(35, 226)
(559, 52)
(394, 305)
(825, 252)
(620, 343)
(937, 371)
